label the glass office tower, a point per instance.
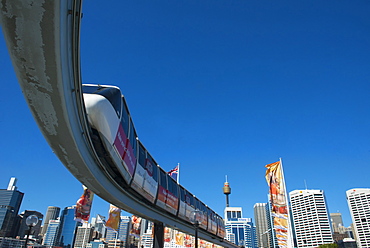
(10, 202)
(68, 227)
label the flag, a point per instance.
(114, 217)
(275, 179)
(174, 173)
(179, 238)
(167, 235)
(135, 226)
(188, 241)
(83, 205)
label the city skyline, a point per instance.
(223, 89)
(313, 224)
(94, 214)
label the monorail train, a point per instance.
(131, 165)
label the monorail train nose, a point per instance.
(101, 115)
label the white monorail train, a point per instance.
(131, 165)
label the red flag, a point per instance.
(83, 205)
(135, 226)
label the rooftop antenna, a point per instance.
(227, 191)
(305, 184)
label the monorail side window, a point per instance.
(190, 199)
(204, 209)
(172, 186)
(151, 167)
(132, 136)
(142, 155)
(125, 119)
(162, 178)
(182, 194)
(197, 204)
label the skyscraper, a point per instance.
(311, 218)
(359, 206)
(98, 223)
(52, 213)
(51, 234)
(83, 236)
(10, 202)
(146, 236)
(339, 231)
(111, 234)
(124, 228)
(122, 232)
(68, 227)
(336, 221)
(239, 230)
(264, 230)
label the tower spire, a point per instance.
(227, 191)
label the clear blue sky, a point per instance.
(222, 87)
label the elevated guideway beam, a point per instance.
(43, 41)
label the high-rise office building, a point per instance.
(111, 234)
(10, 202)
(98, 223)
(359, 206)
(264, 230)
(84, 235)
(122, 232)
(311, 218)
(336, 221)
(239, 230)
(51, 234)
(23, 228)
(124, 228)
(146, 234)
(52, 213)
(68, 227)
(339, 231)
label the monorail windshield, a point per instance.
(113, 95)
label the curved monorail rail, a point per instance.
(43, 41)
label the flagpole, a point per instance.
(178, 173)
(290, 237)
(115, 241)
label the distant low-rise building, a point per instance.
(9, 242)
(97, 244)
